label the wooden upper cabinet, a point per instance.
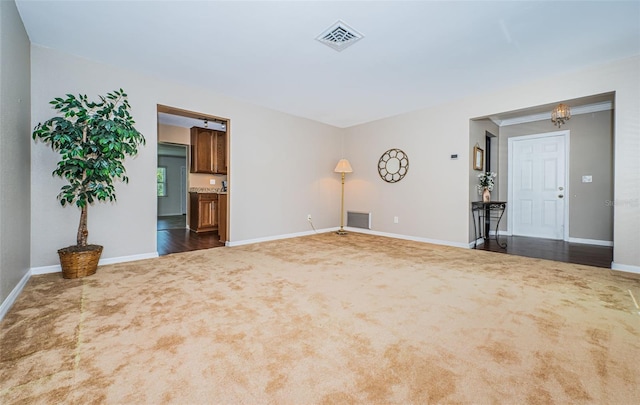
(220, 158)
(201, 150)
(208, 151)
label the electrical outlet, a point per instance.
(212, 181)
(308, 217)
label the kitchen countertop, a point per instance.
(206, 190)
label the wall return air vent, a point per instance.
(359, 219)
(339, 36)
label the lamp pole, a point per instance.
(342, 167)
(341, 231)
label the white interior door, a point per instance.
(537, 185)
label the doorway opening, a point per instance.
(583, 219)
(179, 183)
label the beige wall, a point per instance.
(590, 153)
(432, 201)
(15, 133)
(173, 134)
(282, 166)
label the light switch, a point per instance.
(212, 181)
(587, 179)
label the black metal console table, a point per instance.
(484, 212)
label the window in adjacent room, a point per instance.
(161, 174)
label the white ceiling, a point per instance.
(414, 54)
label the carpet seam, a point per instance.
(76, 362)
(634, 299)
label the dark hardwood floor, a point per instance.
(558, 250)
(172, 222)
(174, 237)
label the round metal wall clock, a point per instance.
(393, 165)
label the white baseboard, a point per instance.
(591, 241)
(625, 267)
(349, 229)
(132, 258)
(278, 237)
(45, 270)
(111, 260)
(13, 296)
(412, 238)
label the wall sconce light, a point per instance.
(560, 115)
(342, 167)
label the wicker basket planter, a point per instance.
(77, 261)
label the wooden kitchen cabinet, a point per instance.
(220, 157)
(208, 151)
(203, 212)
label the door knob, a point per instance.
(560, 195)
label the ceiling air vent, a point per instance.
(339, 36)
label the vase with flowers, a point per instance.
(486, 184)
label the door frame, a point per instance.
(183, 186)
(566, 137)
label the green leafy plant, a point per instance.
(93, 139)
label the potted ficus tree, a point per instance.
(93, 139)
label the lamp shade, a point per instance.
(343, 166)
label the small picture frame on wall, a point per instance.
(478, 158)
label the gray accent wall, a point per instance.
(477, 131)
(15, 132)
(170, 204)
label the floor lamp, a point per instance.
(342, 167)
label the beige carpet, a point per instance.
(326, 320)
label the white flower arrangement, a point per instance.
(486, 181)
